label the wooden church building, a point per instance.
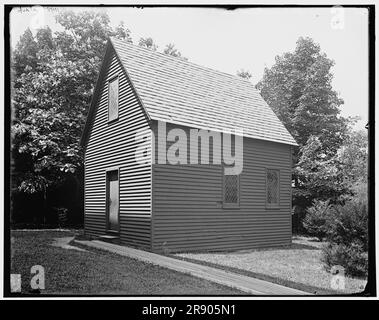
(187, 206)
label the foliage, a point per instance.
(51, 98)
(352, 258)
(353, 157)
(172, 51)
(298, 87)
(244, 74)
(54, 79)
(349, 224)
(25, 53)
(147, 43)
(318, 173)
(325, 176)
(54, 75)
(122, 33)
(331, 177)
(347, 235)
(316, 219)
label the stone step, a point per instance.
(109, 238)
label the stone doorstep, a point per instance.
(241, 282)
(108, 237)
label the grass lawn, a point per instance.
(69, 271)
(297, 266)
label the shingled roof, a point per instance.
(180, 92)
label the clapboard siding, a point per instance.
(113, 145)
(188, 215)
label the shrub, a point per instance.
(347, 234)
(298, 214)
(352, 257)
(348, 224)
(315, 221)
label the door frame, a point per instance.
(107, 171)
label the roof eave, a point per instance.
(109, 46)
(250, 136)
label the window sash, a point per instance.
(113, 94)
(272, 188)
(230, 190)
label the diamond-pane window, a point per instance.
(113, 99)
(231, 190)
(272, 187)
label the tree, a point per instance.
(343, 180)
(298, 88)
(172, 51)
(25, 54)
(53, 84)
(316, 219)
(44, 39)
(49, 114)
(54, 78)
(123, 33)
(353, 156)
(330, 177)
(53, 96)
(319, 175)
(85, 30)
(244, 74)
(147, 43)
(347, 235)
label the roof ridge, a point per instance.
(197, 95)
(235, 77)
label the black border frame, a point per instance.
(370, 290)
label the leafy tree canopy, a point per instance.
(54, 75)
(330, 177)
(172, 51)
(245, 74)
(298, 87)
(148, 43)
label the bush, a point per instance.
(61, 206)
(347, 234)
(352, 257)
(298, 214)
(348, 224)
(316, 219)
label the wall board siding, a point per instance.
(113, 145)
(188, 215)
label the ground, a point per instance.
(297, 266)
(89, 271)
(72, 269)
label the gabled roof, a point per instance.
(180, 92)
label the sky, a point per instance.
(246, 38)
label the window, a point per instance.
(231, 190)
(113, 99)
(272, 188)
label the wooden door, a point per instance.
(113, 200)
